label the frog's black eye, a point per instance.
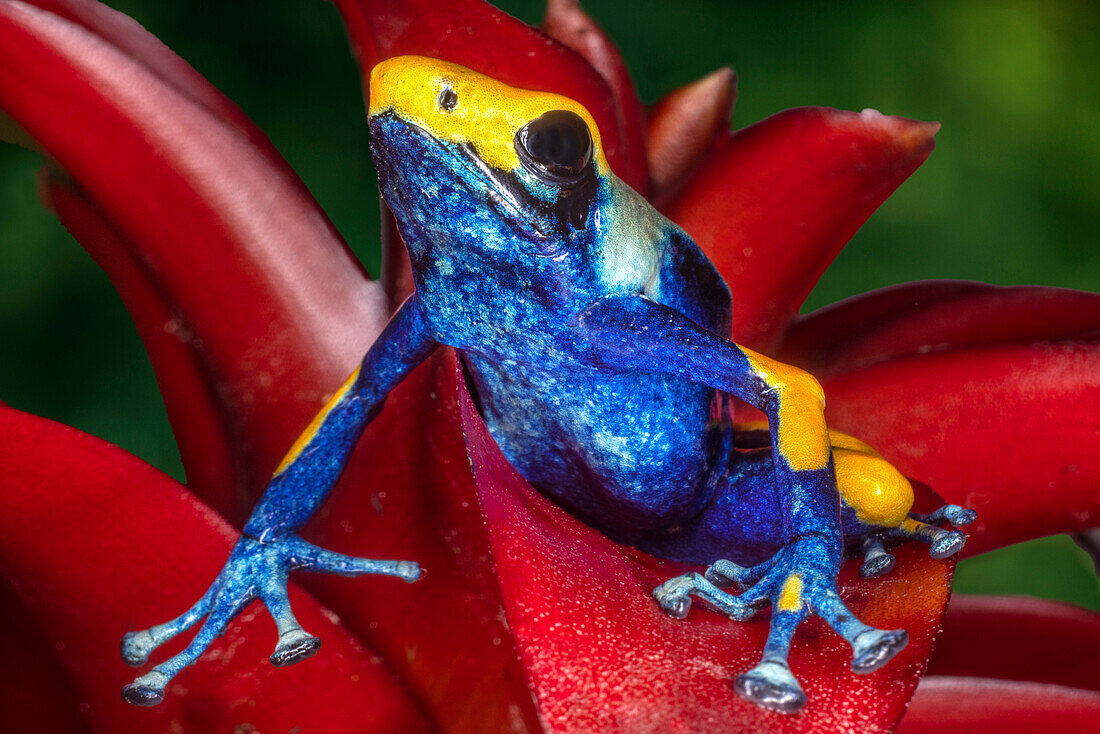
(448, 100)
(555, 146)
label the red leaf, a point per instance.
(1010, 431)
(777, 201)
(948, 705)
(96, 543)
(1019, 638)
(273, 306)
(36, 694)
(128, 36)
(684, 127)
(917, 318)
(477, 35)
(601, 656)
(568, 23)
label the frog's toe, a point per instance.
(136, 647)
(873, 648)
(672, 596)
(946, 544)
(148, 690)
(876, 560)
(771, 685)
(293, 647)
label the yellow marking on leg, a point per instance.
(870, 485)
(790, 597)
(315, 424)
(802, 436)
(487, 115)
(837, 439)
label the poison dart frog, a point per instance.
(594, 333)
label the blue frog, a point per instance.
(594, 334)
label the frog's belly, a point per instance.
(629, 453)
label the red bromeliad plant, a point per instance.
(253, 310)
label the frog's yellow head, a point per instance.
(507, 127)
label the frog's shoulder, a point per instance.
(642, 251)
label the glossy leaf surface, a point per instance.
(601, 656)
(936, 316)
(272, 306)
(684, 126)
(87, 531)
(1008, 431)
(777, 201)
(1019, 638)
(949, 705)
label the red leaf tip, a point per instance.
(914, 135)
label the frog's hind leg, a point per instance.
(877, 499)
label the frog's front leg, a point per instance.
(269, 549)
(636, 333)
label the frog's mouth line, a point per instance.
(511, 202)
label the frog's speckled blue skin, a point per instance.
(589, 324)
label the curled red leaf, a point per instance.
(1008, 431)
(776, 202)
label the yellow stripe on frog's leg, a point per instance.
(481, 111)
(879, 494)
(790, 596)
(803, 439)
(315, 424)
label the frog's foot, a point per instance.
(876, 560)
(942, 543)
(799, 580)
(674, 597)
(254, 570)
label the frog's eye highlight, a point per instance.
(555, 146)
(448, 100)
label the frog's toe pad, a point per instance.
(874, 648)
(771, 685)
(876, 565)
(148, 690)
(294, 647)
(672, 596)
(947, 544)
(959, 516)
(135, 647)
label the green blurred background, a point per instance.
(1009, 196)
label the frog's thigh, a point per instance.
(877, 492)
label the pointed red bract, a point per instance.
(97, 543)
(936, 316)
(601, 656)
(567, 22)
(684, 127)
(477, 35)
(1019, 638)
(272, 305)
(949, 705)
(778, 200)
(1008, 431)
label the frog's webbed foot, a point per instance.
(254, 570)
(942, 543)
(799, 580)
